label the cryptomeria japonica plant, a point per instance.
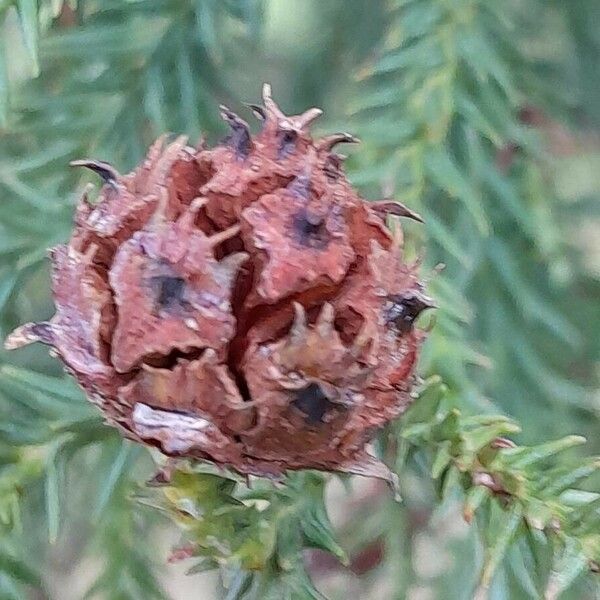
(241, 304)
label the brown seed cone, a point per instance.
(242, 304)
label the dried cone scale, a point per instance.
(241, 305)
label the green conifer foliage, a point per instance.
(480, 115)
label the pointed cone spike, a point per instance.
(156, 149)
(311, 161)
(377, 249)
(201, 143)
(428, 302)
(285, 123)
(432, 323)
(55, 251)
(230, 265)
(85, 196)
(306, 118)
(222, 236)
(180, 140)
(198, 203)
(187, 220)
(328, 142)
(362, 340)
(395, 208)
(258, 111)
(239, 138)
(325, 320)
(271, 107)
(29, 333)
(367, 465)
(266, 93)
(105, 170)
(375, 255)
(433, 273)
(159, 217)
(232, 119)
(298, 330)
(88, 256)
(208, 355)
(165, 162)
(146, 169)
(74, 254)
(414, 303)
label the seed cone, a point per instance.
(241, 304)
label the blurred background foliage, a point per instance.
(484, 116)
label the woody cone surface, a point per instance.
(241, 305)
